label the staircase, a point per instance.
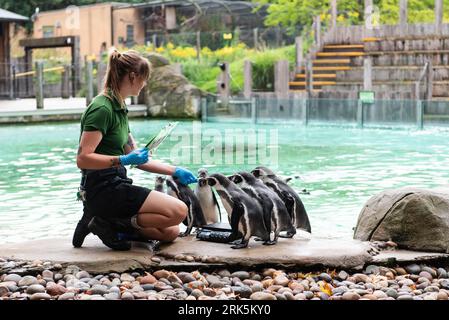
(332, 59)
(397, 64)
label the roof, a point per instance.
(231, 5)
(6, 15)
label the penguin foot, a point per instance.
(258, 239)
(288, 235)
(240, 245)
(270, 243)
(184, 234)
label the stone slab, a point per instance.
(96, 258)
(405, 256)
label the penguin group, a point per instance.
(257, 203)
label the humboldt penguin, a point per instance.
(195, 216)
(159, 184)
(291, 199)
(247, 217)
(207, 198)
(270, 202)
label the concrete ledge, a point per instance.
(43, 115)
(95, 258)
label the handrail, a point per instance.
(31, 73)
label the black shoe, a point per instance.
(81, 232)
(106, 232)
(123, 225)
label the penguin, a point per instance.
(247, 217)
(270, 202)
(207, 198)
(195, 216)
(159, 184)
(291, 199)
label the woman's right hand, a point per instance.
(135, 157)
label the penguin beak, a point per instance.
(210, 182)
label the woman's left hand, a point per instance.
(184, 176)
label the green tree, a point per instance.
(293, 13)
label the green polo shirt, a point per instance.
(109, 117)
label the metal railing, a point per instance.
(353, 113)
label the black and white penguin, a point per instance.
(270, 202)
(291, 199)
(195, 216)
(247, 217)
(207, 198)
(159, 184)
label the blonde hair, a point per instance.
(119, 66)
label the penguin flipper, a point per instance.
(267, 209)
(237, 213)
(216, 203)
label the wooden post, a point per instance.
(367, 73)
(154, 41)
(429, 82)
(224, 89)
(318, 31)
(256, 38)
(419, 114)
(334, 13)
(65, 84)
(203, 109)
(253, 110)
(101, 74)
(198, 45)
(403, 13)
(281, 78)
(247, 79)
(438, 16)
(299, 53)
(28, 67)
(89, 82)
(360, 114)
(11, 80)
(39, 85)
(368, 14)
(309, 77)
(305, 111)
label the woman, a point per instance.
(106, 147)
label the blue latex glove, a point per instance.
(184, 176)
(136, 157)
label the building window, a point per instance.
(48, 31)
(129, 35)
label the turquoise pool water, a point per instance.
(341, 167)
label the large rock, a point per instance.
(415, 219)
(169, 93)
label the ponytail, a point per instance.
(119, 66)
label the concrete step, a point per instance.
(332, 61)
(318, 75)
(344, 46)
(340, 68)
(304, 90)
(339, 54)
(315, 83)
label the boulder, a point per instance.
(169, 93)
(415, 219)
